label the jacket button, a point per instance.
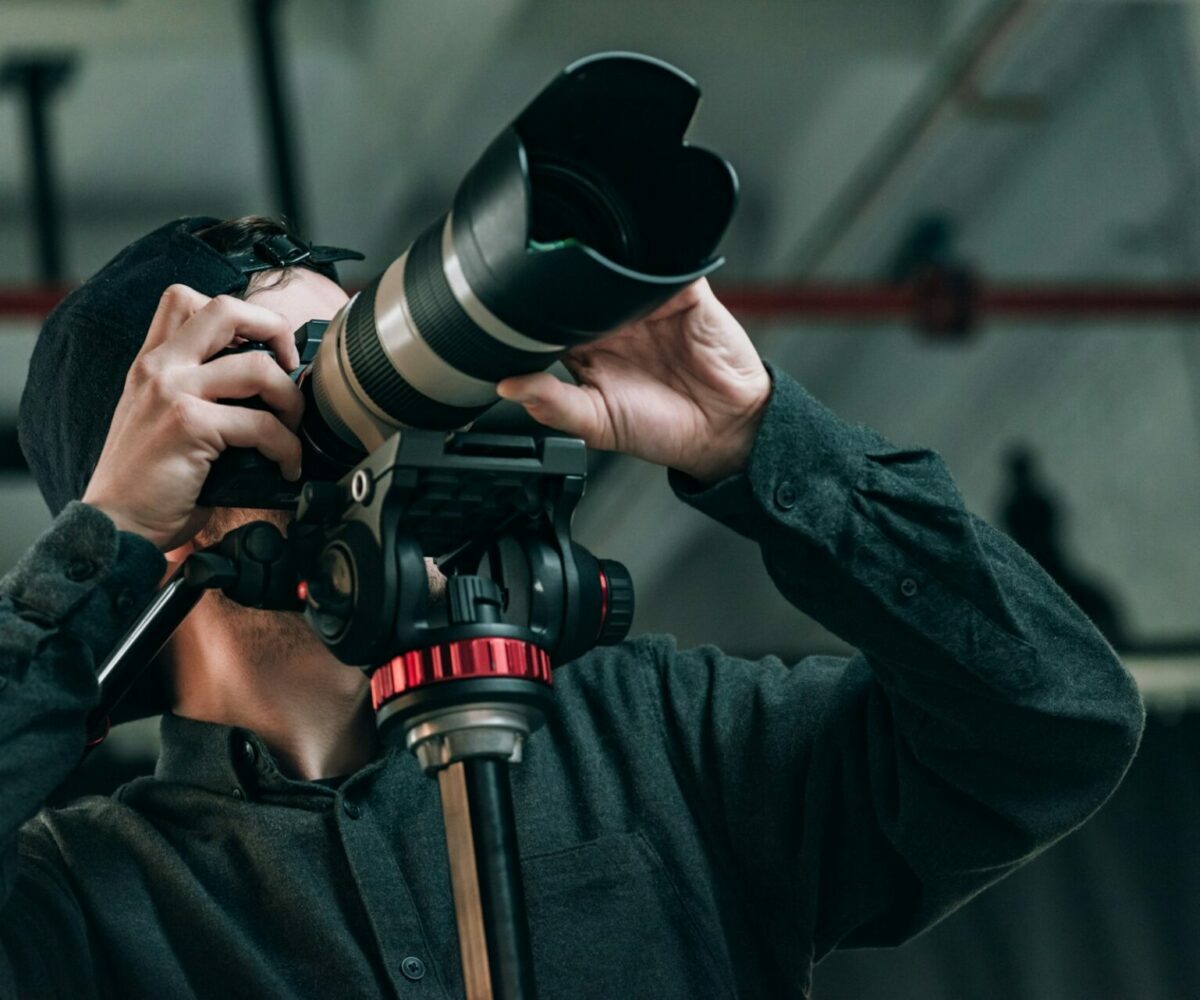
(238, 794)
(413, 968)
(351, 809)
(80, 570)
(908, 587)
(785, 495)
(124, 602)
(249, 754)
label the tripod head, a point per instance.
(520, 596)
(493, 509)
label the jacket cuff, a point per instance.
(802, 468)
(85, 574)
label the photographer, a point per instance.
(691, 824)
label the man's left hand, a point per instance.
(683, 387)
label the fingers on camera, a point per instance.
(239, 427)
(243, 376)
(189, 328)
(175, 307)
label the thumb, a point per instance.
(573, 409)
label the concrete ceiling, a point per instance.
(1061, 139)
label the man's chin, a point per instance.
(225, 519)
(270, 634)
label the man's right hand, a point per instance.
(168, 426)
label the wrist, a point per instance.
(118, 517)
(727, 452)
(716, 468)
(729, 456)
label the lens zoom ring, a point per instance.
(381, 381)
(447, 328)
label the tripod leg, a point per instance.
(485, 875)
(464, 880)
(501, 891)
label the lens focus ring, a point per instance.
(445, 325)
(385, 386)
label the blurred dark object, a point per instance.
(929, 242)
(38, 78)
(944, 290)
(131, 751)
(1032, 515)
(1110, 913)
(276, 110)
(11, 457)
(946, 300)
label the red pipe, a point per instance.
(29, 302)
(855, 302)
(873, 303)
(1089, 300)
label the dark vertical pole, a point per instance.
(276, 110)
(501, 891)
(38, 78)
(485, 875)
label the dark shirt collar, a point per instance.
(228, 760)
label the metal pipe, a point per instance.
(30, 302)
(38, 78)
(878, 303)
(852, 302)
(277, 111)
(952, 77)
(464, 881)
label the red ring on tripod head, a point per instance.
(463, 658)
(603, 599)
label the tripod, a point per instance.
(462, 680)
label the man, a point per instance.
(692, 825)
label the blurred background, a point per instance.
(972, 224)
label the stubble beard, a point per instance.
(272, 635)
(267, 635)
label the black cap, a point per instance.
(88, 342)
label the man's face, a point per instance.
(299, 295)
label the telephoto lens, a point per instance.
(586, 213)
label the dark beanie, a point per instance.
(89, 341)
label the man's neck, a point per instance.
(267, 672)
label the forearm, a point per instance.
(999, 713)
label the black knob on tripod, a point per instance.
(474, 600)
(616, 586)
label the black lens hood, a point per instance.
(630, 212)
